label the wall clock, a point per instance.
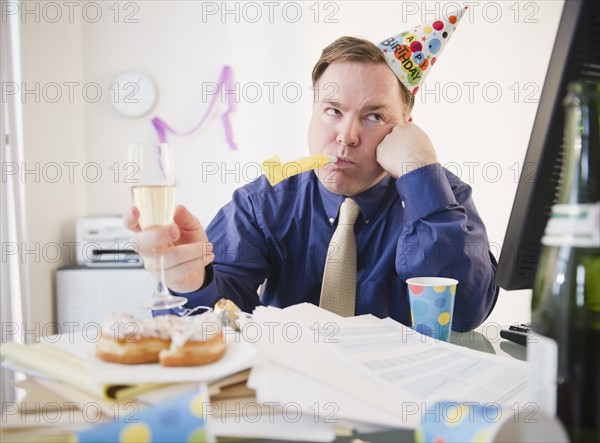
(133, 93)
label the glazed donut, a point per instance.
(168, 339)
(198, 343)
(129, 341)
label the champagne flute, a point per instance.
(154, 196)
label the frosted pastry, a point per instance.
(129, 341)
(168, 339)
(198, 343)
(275, 171)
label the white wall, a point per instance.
(53, 142)
(498, 48)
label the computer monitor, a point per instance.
(575, 56)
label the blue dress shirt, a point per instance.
(422, 224)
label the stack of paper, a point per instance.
(364, 369)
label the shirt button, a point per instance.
(331, 220)
(403, 204)
(367, 222)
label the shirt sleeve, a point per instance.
(443, 236)
(241, 257)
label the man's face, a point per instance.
(356, 106)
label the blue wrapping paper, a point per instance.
(180, 419)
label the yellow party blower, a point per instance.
(275, 171)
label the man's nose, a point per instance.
(348, 132)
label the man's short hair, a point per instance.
(353, 49)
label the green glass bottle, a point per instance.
(564, 352)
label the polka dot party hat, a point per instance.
(411, 54)
(180, 419)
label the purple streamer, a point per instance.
(225, 78)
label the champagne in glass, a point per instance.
(156, 204)
(154, 196)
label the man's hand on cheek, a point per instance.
(405, 149)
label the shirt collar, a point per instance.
(368, 201)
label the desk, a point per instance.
(486, 339)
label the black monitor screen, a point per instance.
(575, 56)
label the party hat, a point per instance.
(183, 418)
(412, 53)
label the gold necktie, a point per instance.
(338, 293)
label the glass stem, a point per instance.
(162, 287)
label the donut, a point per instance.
(167, 339)
(129, 341)
(198, 343)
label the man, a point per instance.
(415, 219)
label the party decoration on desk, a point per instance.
(468, 422)
(228, 312)
(411, 54)
(276, 171)
(180, 419)
(225, 80)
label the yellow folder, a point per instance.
(68, 368)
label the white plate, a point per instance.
(239, 355)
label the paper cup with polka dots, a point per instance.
(432, 305)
